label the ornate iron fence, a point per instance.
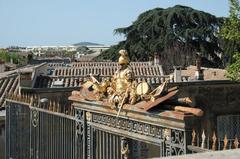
(202, 142)
(39, 131)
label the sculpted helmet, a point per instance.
(123, 59)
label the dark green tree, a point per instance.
(176, 34)
(82, 49)
(30, 57)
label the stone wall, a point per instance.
(215, 98)
(55, 94)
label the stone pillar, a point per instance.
(177, 75)
(156, 59)
(150, 62)
(199, 75)
(199, 72)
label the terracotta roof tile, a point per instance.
(73, 74)
(8, 84)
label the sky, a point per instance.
(65, 22)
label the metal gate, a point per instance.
(17, 131)
(52, 135)
(41, 133)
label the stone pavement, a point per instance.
(227, 154)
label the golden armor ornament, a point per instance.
(121, 88)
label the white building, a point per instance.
(49, 48)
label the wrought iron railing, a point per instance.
(89, 130)
(202, 142)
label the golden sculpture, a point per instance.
(122, 81)
(122, 89)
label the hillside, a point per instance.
(85, 44)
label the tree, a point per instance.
(84, 50)
(233, 70)
(231, 34)
(175, 33)
(30, 57)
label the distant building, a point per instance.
(189, 74)
(208, 73)
(55, 59)
(95, 51)
(49, 48)
(86, 57)
(98, 48)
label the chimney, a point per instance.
(199, 72)
(156, 59)
(150, 62)
(177, 75)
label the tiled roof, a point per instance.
(73, 74)
(55, 65)
(8, 84)
(106, 71)
(48, 82)
(22, 69)
(96, 64)
(9, 81)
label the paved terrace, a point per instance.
(226, 154)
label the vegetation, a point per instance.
(234, 69)
(4, 55)
(231, 34)
(8, 56)
(175, 33)
(84, 50)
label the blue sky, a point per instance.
(63, 22)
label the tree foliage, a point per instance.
(84, 50)
(11, 57)
(231, 34)
(4, 55)
(234, 69)
(175, 33)
(231, 27)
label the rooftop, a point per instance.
(209, 73)
(73, 74)
(9, 81)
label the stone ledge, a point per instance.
(227, 154)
